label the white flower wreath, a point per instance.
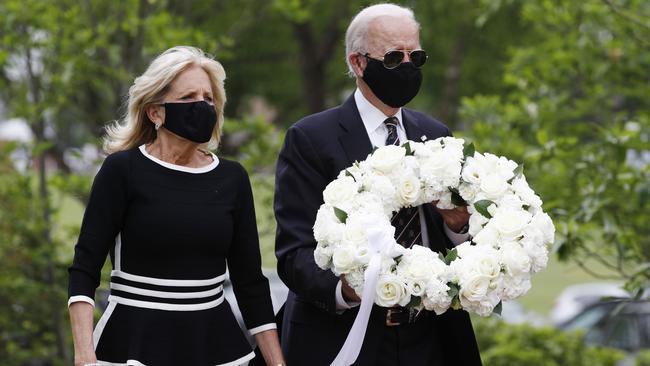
(509, 230)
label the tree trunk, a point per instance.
(449, 98)
(58, 323)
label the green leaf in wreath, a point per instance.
(455, 303)
(454, 289)
(347, 172)
(456, 198)
(519, 171)
(451, 256)
(482, 207)
(341, 215)
(499, 308)
(469, 150)
(415, 302)
(407, 146)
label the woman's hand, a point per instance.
(269, 345)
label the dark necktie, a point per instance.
(407, 220)
(391, 124)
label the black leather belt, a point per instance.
(400, 315)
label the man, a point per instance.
(383, 53)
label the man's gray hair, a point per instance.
(356, 37)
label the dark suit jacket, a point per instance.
(315, 150)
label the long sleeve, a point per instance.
(300, 180)
(250, 286)
(101, 223)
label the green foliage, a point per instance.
(576, 116)
(524, 345)
(643, 358)
(32, 273)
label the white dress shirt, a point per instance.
(373, 120)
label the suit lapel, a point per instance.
(414, 131)
(353, 136)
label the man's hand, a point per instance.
(348, 292)
(455, 218)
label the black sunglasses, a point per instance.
(394, 58)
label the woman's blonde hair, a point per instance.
(151, 87)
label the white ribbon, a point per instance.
(381, 242)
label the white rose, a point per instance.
(510, 202)
(488, 265)
(523, 190)
(355, 170)
(340, 191)
(343, 259)
(323, 256)
(488, 236)
(510, 223)
(408, 189)
(391, 291)
(454, 143)
(493, 186)
(515, 258)
(472, 171)
(474, 288)
(386, 158)
(434, 167)
(476, 222)
(362, 255)
(416, 287)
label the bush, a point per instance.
(503, 344)
(643, 358)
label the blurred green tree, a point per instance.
(578, 116)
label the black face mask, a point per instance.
(395, 87)
(193, 121)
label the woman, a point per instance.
(171, 214)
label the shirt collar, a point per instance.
(371, 116)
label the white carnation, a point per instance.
(514, 258)
(327, 228)
(437, 298)
(523, 190)
(323, 256)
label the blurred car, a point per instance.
(575, 298)
(619, 323)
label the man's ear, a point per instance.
(358, 63)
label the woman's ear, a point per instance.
(155, 113)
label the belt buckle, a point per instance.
(389, 316)
(408, 316)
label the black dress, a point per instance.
(170, 230)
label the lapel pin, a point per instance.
(423, 138)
